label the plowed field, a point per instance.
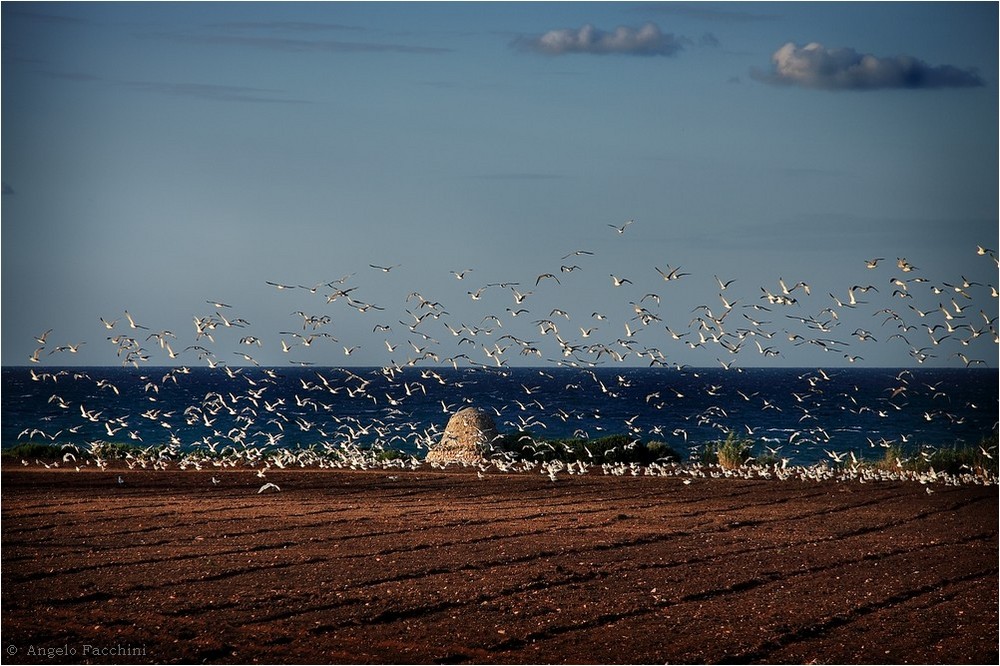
(435, 567)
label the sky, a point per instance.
(162, 158)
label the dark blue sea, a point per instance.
(800, 413)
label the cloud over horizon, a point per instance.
(647, 40)
(815, 66)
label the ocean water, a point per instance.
(801, 413)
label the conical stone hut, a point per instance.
(466, 438)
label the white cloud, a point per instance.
(648, 40)
(815, 66)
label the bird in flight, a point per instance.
(724, 285)
(268, 486)
(672, 274)
(788, 290)
(544, 276)
(131, 322)
(622, 228)
(384, 269)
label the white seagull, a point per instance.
(622, 228)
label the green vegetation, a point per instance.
(35, 450)
(608, 449)
(732, 453)
(108, 450)
(979, 459)
(390, 454)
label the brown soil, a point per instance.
(434, 567)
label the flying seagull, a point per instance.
(672, 274)
(622, 228)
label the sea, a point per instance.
(804, 415)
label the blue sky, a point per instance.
(157, 156)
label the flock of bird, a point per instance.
(356, 458)
(247, 424)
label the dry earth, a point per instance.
(433, 567)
